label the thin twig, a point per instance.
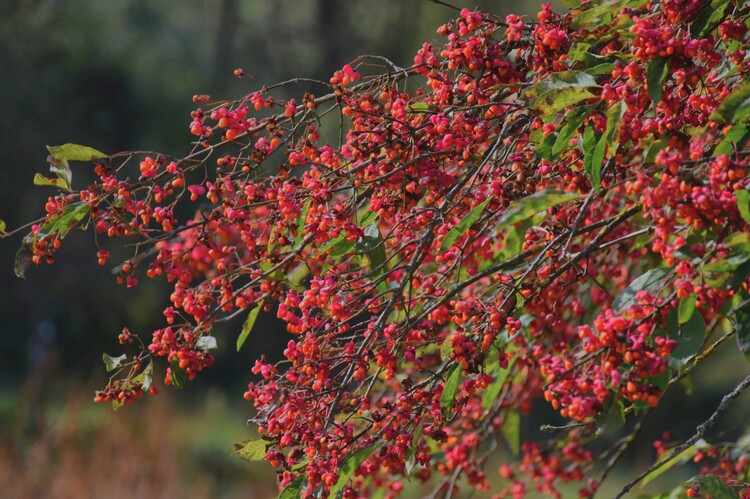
(700, 432)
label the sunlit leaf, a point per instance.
(60, 183)
(251, 450)
(560, 90)
(74, 152)
(683, 456)
(511, 431)
(67, 219)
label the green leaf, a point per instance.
(446, 348)
(608, 143)
(612, 419)
(67, 219)
(2, 228)
(375, 247)
(493, 389)
(599, 12)
(604, 68)
(251, 450)
(463, 225)
(60, 183)
(248, 325)
(592, 155)
(712, 486)
(657, 71)
(689, 336)
(529, 206)
(683, 456)
(294, 489)
(145, 377)
(742, 324)
(301, 222)
(24, 256)
(366, 217)
(74, 152)
(177, 375)
(544, 148)
(735, 107)
(574, 119)
(560, 90)
(206, 343)
(686, 308)
(735, 139)
(743, 204)
(708, 18)
(511, 430)
(349, 466)
(113, 363)
(646, 282)
(450, 389)
(410, 458)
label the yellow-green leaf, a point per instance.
(251, 450)
(529, 206)
(60, 182)
(74, 152)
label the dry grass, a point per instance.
(73, 449)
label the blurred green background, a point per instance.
(119, 75)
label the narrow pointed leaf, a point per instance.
(463, 225)
(743, 204)
(735, 107)
(248, 326)
(657, 71)
(349, 466)
(450, 388)
(529, 206)
(511, 431)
